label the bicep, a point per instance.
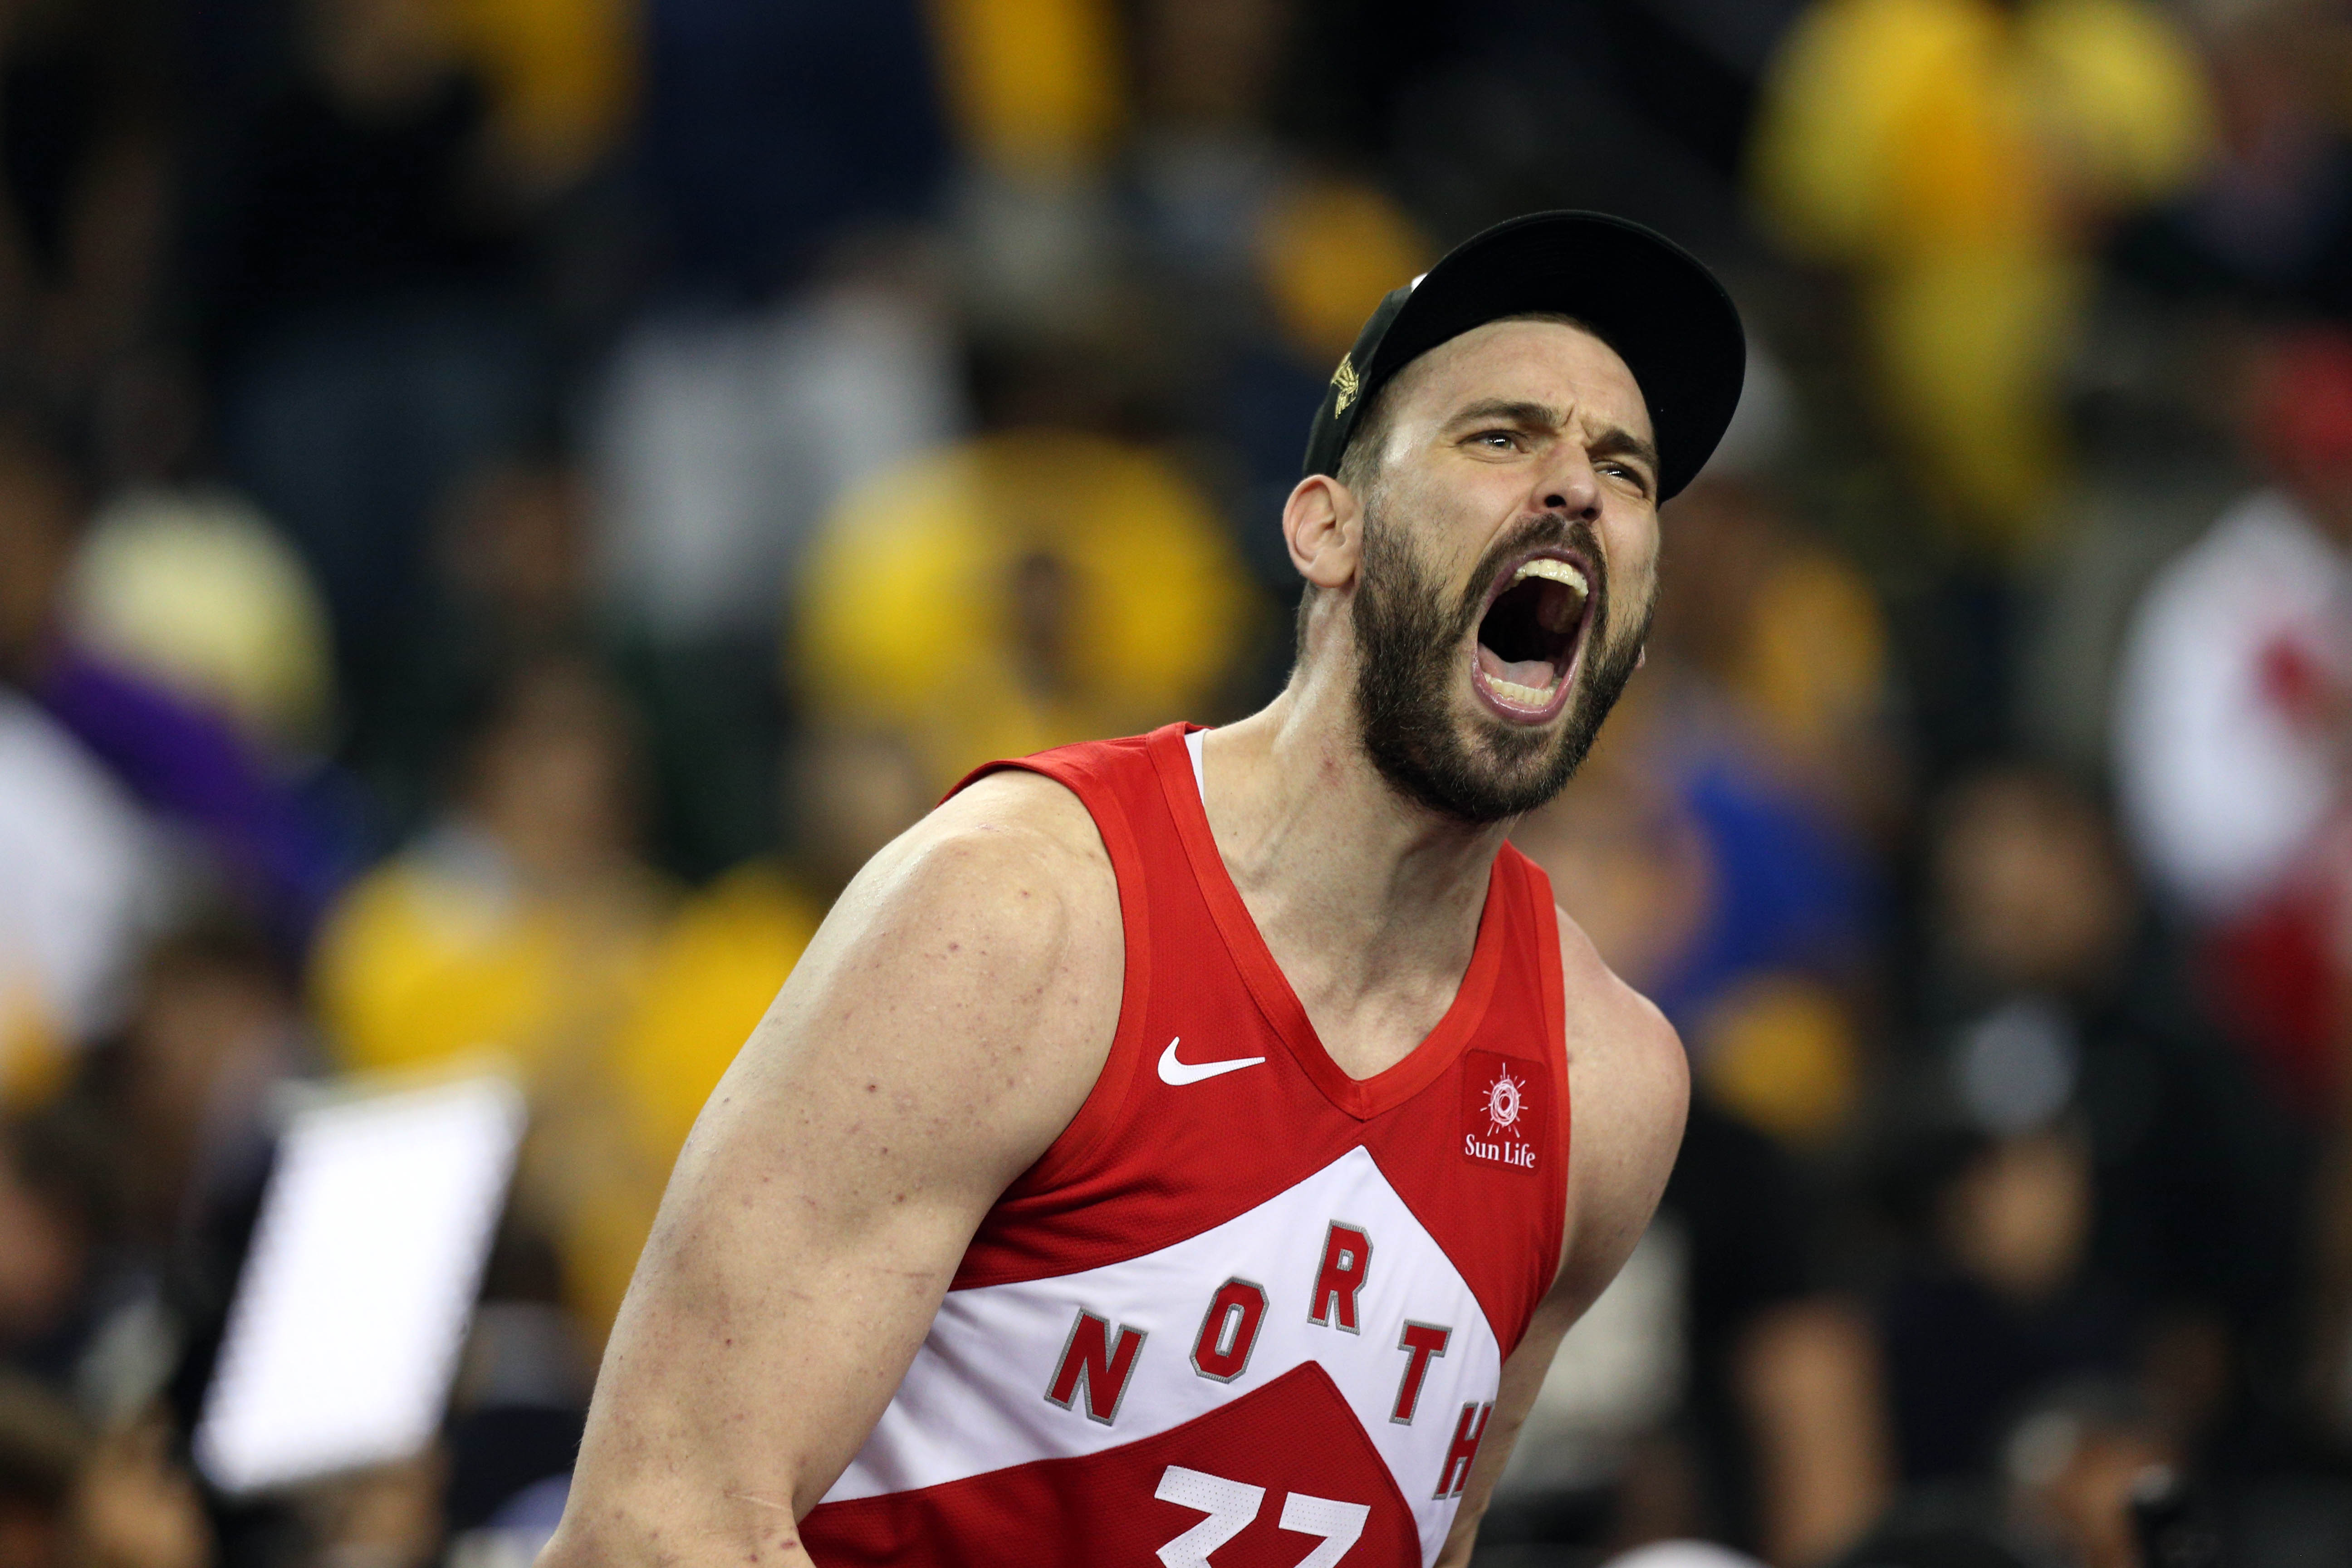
(941, 1031)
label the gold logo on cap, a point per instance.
(1344, 378)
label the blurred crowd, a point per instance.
(505, 504)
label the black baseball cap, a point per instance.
(1644, 296)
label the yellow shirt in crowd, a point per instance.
(620, 1016)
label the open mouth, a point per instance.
(1528, 638)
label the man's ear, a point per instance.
(1323, 526)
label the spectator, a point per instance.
(215, 1031)
(1949, 154)
(520, 925)
(1996, 1301)
(2232, 720)
(560, 80)
(1784, 629)
(2101, 1190)
(54, 1237)
(1722, 1387)
(164, 731)
(1066, 584)
(196, 593)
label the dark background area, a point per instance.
(504, 504)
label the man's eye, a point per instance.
(1496, 440)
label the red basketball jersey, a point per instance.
(1246, 1310)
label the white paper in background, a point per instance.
(366, 1257)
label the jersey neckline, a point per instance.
(1362, 1098)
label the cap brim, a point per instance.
(1647, 298)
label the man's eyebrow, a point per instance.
(1534, 415)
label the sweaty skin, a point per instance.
(955, 1009)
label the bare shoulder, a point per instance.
(1629, 1088)
(975, 966)
(1020, 813)
(1016, 858)
(1610, 1022)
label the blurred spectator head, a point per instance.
(516, 546)
(1984, 1164)
(71, 1497)
(1035, 89)
(2028, 889)
(2071, 1465)
(54, 1212)
(134, 1505)
(551, 771)
(2269, 63)
(2016, 1215)
(1068, 586)
(387, 1515)
(197, 592)
(2303, 429)
(213, 1030)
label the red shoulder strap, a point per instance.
(1543, 912)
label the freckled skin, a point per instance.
(973, 970)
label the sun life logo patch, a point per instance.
(1504, 1097)
(1503, 1111)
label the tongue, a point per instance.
(1537, 673)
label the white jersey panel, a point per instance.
(976, 1398)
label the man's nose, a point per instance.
(1570, 486)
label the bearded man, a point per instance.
(1165, 1148)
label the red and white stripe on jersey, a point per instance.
(1258, 1312)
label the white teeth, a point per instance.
(1557, 571)
(1525, 696)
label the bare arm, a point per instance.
(1629, 1085)
(942, 1030)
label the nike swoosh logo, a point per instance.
(1180, 1073)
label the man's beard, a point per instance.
(1408, 645)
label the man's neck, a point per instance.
(1368, 900)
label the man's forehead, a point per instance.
(1553, 363)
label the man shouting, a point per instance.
(1191, 1148)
